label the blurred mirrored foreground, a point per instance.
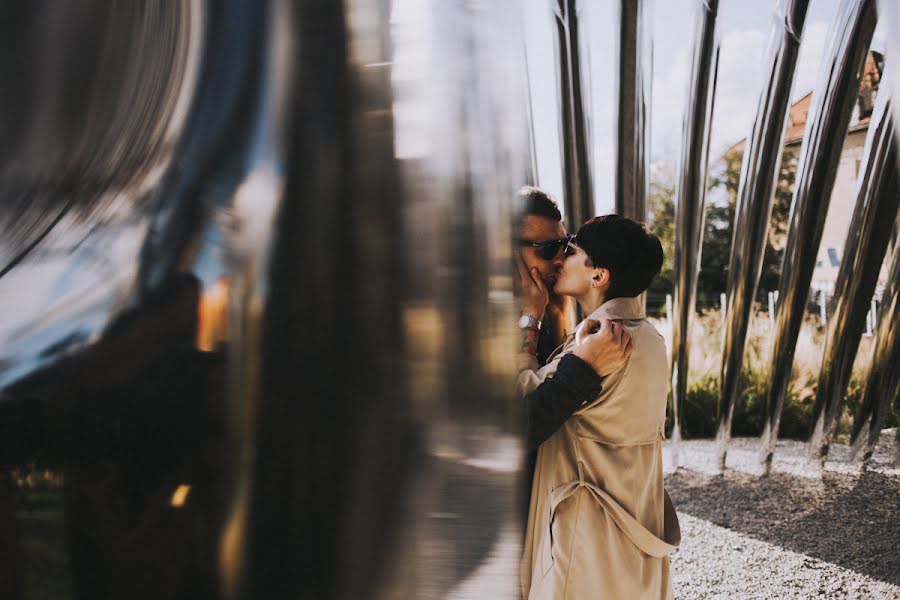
(257, 314)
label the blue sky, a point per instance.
(744, 28)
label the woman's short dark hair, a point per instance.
(626, 248)
(535, 201)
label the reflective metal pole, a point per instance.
(577, 183)
(691, 193)
(829, 117)
(759, 172)
(867, 238)
(632, 147)
(889, 14)
(883, 381)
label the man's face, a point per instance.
(542, 229)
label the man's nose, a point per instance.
(559, 259)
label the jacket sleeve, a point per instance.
(553, 401)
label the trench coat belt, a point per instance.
(639, 535)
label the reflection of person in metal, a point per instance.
(600, 523)
(136, 423)
(541, 239)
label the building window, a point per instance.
(833, 257)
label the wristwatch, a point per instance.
(529, 322)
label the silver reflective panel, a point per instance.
(869, 232)
(578, 197)
(829, 116)
(256, 278)
(632, 140)
(690, 207)
(882, 385)
(889, 14)
(754, 201)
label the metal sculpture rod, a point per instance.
(689, 210)
(579, 199)
(889, 14)
(832, 105)
(883, 381)
(754, 202)
(867, 239)
(632, 149)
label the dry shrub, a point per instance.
(701, 403)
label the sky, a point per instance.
(743, 27)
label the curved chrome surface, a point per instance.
(691, 194)
(152, 216)
(577, 182)
(874, 215)
(889, 14)
(267, 351)
(883, 381)
(829, 117)
(633, 126)
(79, 183)
(754, 201)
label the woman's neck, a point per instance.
(591, 301)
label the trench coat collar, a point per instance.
(630, 309)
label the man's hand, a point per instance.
(533, 294)
(603, 344)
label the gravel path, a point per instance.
(793, 534)
(714, 562)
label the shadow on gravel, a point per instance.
(849, 520)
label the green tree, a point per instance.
(723, 185)
(718, 232)
(662, 225)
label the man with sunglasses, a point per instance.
(600, 346)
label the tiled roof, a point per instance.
(799, 110)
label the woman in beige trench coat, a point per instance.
(600, 524)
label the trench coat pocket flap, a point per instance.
(639, 535)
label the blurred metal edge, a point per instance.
(131, 166)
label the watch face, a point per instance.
(525, 322)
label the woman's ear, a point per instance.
(601, 277)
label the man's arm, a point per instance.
(600, 348)
(547, 407)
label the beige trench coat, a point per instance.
(600, 524)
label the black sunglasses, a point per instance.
(549, 250)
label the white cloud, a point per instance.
(740, 79)
(738, 86)
(810, 58)
(669, 94)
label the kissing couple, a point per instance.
(600, 523)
